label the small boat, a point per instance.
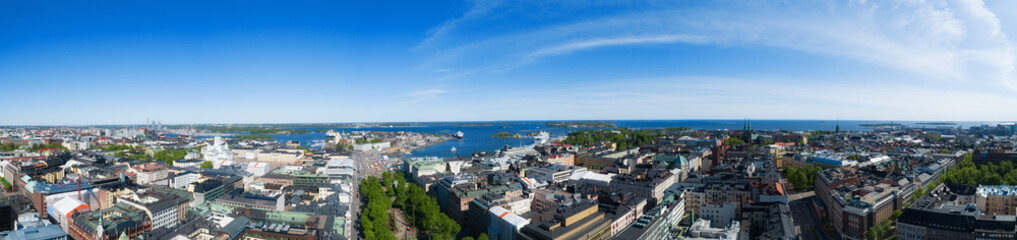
(453, 149)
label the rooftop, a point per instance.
(998, 190)
(32, 232)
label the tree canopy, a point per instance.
(421, 210)
(802, 178)
(966, 172)
(734, 141)
(624, 137)
(38, 147)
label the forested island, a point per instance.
(581, 124)
(504, 134)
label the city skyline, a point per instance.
(327, 62)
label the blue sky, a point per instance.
(118, 62)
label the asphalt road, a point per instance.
(363, 162)
(808, 224)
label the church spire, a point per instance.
(98, 230)
(747, 132)
(837, 130)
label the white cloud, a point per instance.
(605, 42)
(422, 95)
(685, 97)
(479, 9)
(944, 41)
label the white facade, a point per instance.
(166, 217)
(258, 168)
(340, 166)
(372, 146)
(146, 177)
(701, 230)
(183, 179)
(219, 151)
(503, 225)
(719, 215)
(63, 209)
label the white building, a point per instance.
(258, 168)
(63, 209)
(181, 180)
(150, 173)
(219, 151)
(701, 230)
(372, 146)
(162, 212)
(503, 225)
(718, 215)
(75, 145)
(340, 166)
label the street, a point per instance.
(806, 221)
(364, 162)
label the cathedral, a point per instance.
(219, 151)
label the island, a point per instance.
(252, 137)
(880, 125)
(582, 124)
(254, 129)
(504, 134)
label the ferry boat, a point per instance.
(541, 138)
(459, 134)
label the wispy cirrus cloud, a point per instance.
(944, 41)
(422, 95)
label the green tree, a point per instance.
(343, 146)
(483, 236)
(734, 141)
(207, 164)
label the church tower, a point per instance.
(747, 132)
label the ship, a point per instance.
(453, 149)
(541, 138)
(459, 134)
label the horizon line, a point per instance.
(495, 121)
